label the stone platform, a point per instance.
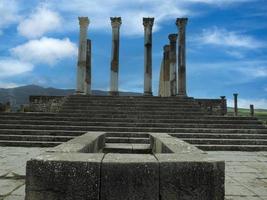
(246, 173)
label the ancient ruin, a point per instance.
(130, 147)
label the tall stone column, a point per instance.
(81, 69)
(181, 24)
(148, 24)
(172, 58)
(114, 76)
(166, 71)
(87, 86)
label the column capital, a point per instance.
(181, 22)
(173, 37)
(148, 21)
(84, 21)
(115, 22)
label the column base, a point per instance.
(148, 94)
(113, 93)
(184, 96)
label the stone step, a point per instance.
(219, 136)
(131, 140)
(126, 148)
(28, 143)
(40, 132)
(45, 138)
(72, 120)
(232, 147)
(115, 107)
(128, 134)
(196, 141)
(131, 129)
(154, 118)
(132, 112)
(123, 124)
(129, 103)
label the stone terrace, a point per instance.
(180, 117)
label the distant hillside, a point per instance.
(20, 95)
(259, 113)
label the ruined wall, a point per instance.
(46, 103)
(213, 106)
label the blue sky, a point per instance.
(226, 44)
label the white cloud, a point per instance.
(11, 67)
(40, 22)
(223, 37)
(244, 103)
(9, 12)
(46, 50)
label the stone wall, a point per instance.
(46, 103)
(213, 106)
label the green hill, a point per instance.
(259, 113)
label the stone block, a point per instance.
(91, 142)
(68, 176)
(129, 176)
(190, 176)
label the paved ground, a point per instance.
(246, 173)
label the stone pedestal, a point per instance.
(172, 58)
(181, 24)
(81, 70)
(251, 110)
(114, 76)
(148, 24)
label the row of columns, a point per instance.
(168, 80)
(169, 64)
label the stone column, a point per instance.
(223, 106)
(181, 24)
(84, 23)
(235, 104)
(87, 86)
(166, 71)
(251, 110)
(172, 56)
(148, 24)
(114, 76)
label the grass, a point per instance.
(259, 113)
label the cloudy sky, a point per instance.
(226, 44)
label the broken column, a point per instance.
(87, 83)
(251, 110)
(172, 59)
(81, 69)
(235, 104)
(114, 76)
(181, 25)
(148, 24)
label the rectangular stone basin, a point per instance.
(81, 170)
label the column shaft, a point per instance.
(235, 104)
(172, 58)
(81, 68)
(114, 76)
(166, 71)
(87, 87)
(181, 24)
(148, 24)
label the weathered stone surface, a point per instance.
(129, 176)
(64, 176)
(46, 103)
(148, 25)
(91, 142)
(115, 52)
(189, 177)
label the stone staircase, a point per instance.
(128, 119)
